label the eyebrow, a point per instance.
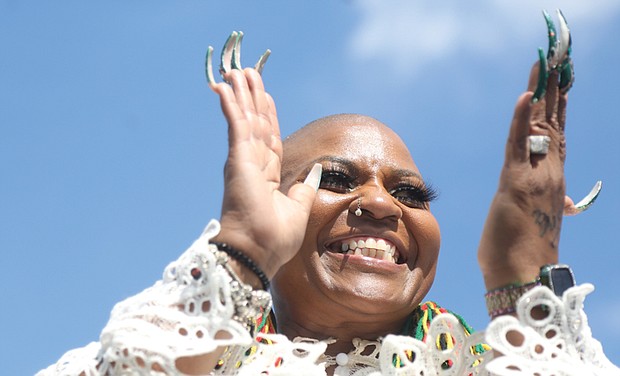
(401, 172)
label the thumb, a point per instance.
(305, 193)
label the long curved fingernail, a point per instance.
(567, 75)
(314, 176)
(236, 52)
(587, 201)
(565, 41)
(543, 76)
(226, 55)
(209, 67)
(590, 198)
(552, 53)
(260, 64)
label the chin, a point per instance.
(364, 286)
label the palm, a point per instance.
(253, 208)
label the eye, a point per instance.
(414, 196)
(336, 180)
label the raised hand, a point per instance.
(522, 230)
(257, 219)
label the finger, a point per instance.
(242, 91)
(259, 97)
(237, 125)
(533, 85)
(562, 103)
(276, 141)
(273, 116)
(551, 99)
(517, 147)
(569, 207)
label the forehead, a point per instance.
(367, 142)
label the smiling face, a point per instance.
(376, 264)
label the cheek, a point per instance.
(425, 231)
(326, 210)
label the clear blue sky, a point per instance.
(112, 146)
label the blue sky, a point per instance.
(112, 146)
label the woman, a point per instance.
(337, 219)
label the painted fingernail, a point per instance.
(226, 55)
(236, 52)
(565, 41)
(314, 176)
(209, 66)
(543, 76)
(553, 41)
(587, 201)
(260, 64)
(567, 75)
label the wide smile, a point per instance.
(371, 247)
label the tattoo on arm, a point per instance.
(545, 222)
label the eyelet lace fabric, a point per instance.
(552, 337)
(191, 311)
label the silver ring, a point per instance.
(539, 144)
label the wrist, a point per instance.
(240, 240)
(503, 300)
(245, 264)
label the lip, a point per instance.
(334, 244)
(366, 264)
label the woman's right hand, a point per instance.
(257, 219)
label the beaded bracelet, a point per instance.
(503, 300)
(249, 304)
(245, 261)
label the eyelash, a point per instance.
(338, 180)
(417, 196)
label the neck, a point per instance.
(339, 327)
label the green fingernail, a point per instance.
(567, 76)
(261, 62)
(543, 76)
(209, 66)
(552, 35)
(236, 52)
(226, 55)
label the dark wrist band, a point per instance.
(245, 261)
(503, 300)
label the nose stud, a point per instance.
(358, 211)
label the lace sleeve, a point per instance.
(191, 311)
(560, 343)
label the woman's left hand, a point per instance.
(522, 230)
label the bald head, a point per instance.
(321, 125)
(299, 147)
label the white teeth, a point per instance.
(370, 247)
(381, 244)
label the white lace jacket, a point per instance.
(180, 316)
